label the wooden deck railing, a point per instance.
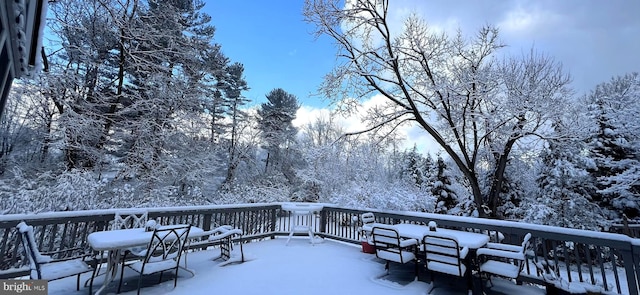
(609, 260)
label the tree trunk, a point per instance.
(498, 179)
(501, 166)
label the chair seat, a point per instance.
(153, 267)
(63, 269)
(447, 268)
(402, 257)
(501, 268)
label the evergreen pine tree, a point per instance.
(446, 197)
(615, 146)
(275, 119)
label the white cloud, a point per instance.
(412, 134)
(529, 20)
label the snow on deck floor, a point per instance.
(274, 268)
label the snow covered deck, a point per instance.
(298, 268)
(570, 257)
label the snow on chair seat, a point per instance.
(500, 268)
(42, 266)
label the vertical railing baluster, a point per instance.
(590, 264)
(567, 259)
(576, 251)
(614, 268)
(602, 272)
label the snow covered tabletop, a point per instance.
(302, 208)
(126, 238)
(465, 239)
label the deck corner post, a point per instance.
(631, 260)
(323, 221)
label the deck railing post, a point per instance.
(323, 221)
(206, 222)
(274, 219)
(635, 251)
(629, 260)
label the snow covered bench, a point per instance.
(223, 236)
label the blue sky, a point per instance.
(275, 45)
(594, 39)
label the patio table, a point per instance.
(114, 241)
(301, 218)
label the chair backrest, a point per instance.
(167, 243)
(368, 218)
(526, 242)
(445, 252)
(129, 219)
(31, 250)
(390, 246)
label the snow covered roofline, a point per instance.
(21, 29)
(26, 21)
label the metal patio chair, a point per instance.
(391, 247)
(163, 252)
(503, 259)
(43, 267)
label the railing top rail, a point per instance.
(99, 212)
(462, 220)
(459, 220)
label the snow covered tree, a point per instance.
(233, 85)
(519, 184)
(482, 107)
(278, 133)
(412, 167)
(446, 197)
(564, 197)
(615, 144)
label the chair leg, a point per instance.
(139, 283)
(175, 280)
(96, 270)
(78, 283)
(123, 260)
(93, 275)
(160, 280)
